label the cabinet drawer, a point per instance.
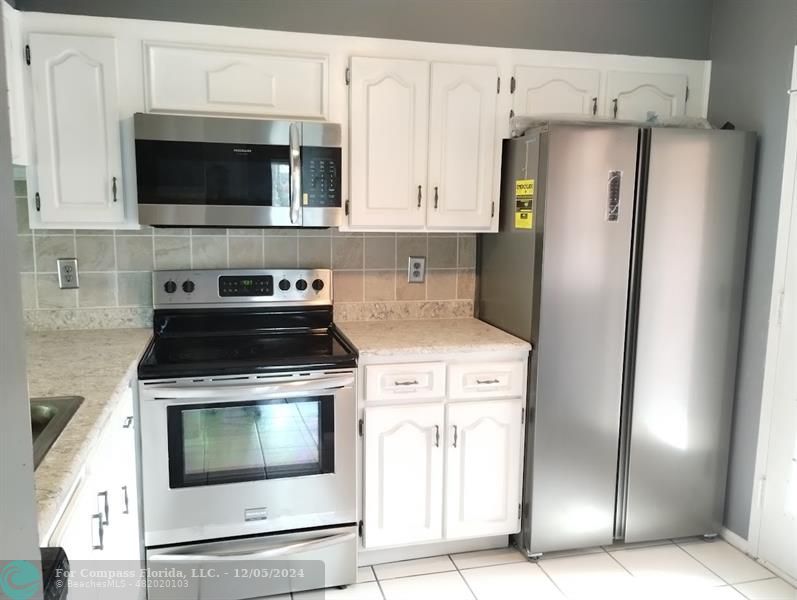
(407, 381)
(490, 380)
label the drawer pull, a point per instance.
(487, 381)
(99, 544)
(437, 436)
(413, 382)
(126, 509)
(102, 505)
(455, 436)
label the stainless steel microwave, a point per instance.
(221, 172)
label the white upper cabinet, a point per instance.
(555, 91)
(640, 96)
(403, 474)
(462, 147)
(389, 108)
(484, 445)
(398, 120)
(211, 80)
(76, 120)
(14, 79)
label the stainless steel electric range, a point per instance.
(246, 403)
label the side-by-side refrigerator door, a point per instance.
(589, 207)
(690, 296)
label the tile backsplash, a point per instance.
(115, 269)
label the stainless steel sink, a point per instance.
(48, 417)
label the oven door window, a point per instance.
(233, 442)
(195, 173)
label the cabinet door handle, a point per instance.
(99, 545)
(113, 187)
(103, 507)
(614, 108)
(455, 436)
(594, 105)
(487, 381)
(419, 196)
(437, 436)
(128, 422)
(126, 509)
(411, 382)
(435, 197)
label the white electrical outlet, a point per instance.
(67, 273)
(416, 269)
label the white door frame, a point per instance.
(786, 240)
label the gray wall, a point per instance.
(675, 28)
(752, 45)
(18, 535)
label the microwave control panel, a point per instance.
(321, 177)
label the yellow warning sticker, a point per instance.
(524, 188)
(524, 219)
(524, 204)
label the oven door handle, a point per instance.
(166, 392)
(307, 546)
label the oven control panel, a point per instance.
(241, 287)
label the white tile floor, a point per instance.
(684, 570)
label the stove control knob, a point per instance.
(170, 287)
(301, 285)
(318, 285)
(188, 286)
(285, 285)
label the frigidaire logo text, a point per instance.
(244, 150)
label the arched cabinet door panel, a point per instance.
(645, 96)
(389, 124)
(463, 178)
(76, 121)
(403, 474)
(483, 468)
(556, 91)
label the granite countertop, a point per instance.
(428, 336)
(96, 364)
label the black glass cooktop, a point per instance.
(180, 350)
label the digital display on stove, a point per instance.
(243, 285)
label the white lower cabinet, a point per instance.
(101, 520)
(446, 468)
(403, 474)
(484, 442)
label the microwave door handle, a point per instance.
(296, 171)
(306, 546)
(227, 391)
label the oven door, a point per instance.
(232, 456)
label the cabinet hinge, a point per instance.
(38, 201)
(498, 87)
(27, 54)
(346, 208)
(512, 85)
(361, 425)
(686, 98)
(348, 76)
(360, 528)
(492, 209)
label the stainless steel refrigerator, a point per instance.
(621, 258)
